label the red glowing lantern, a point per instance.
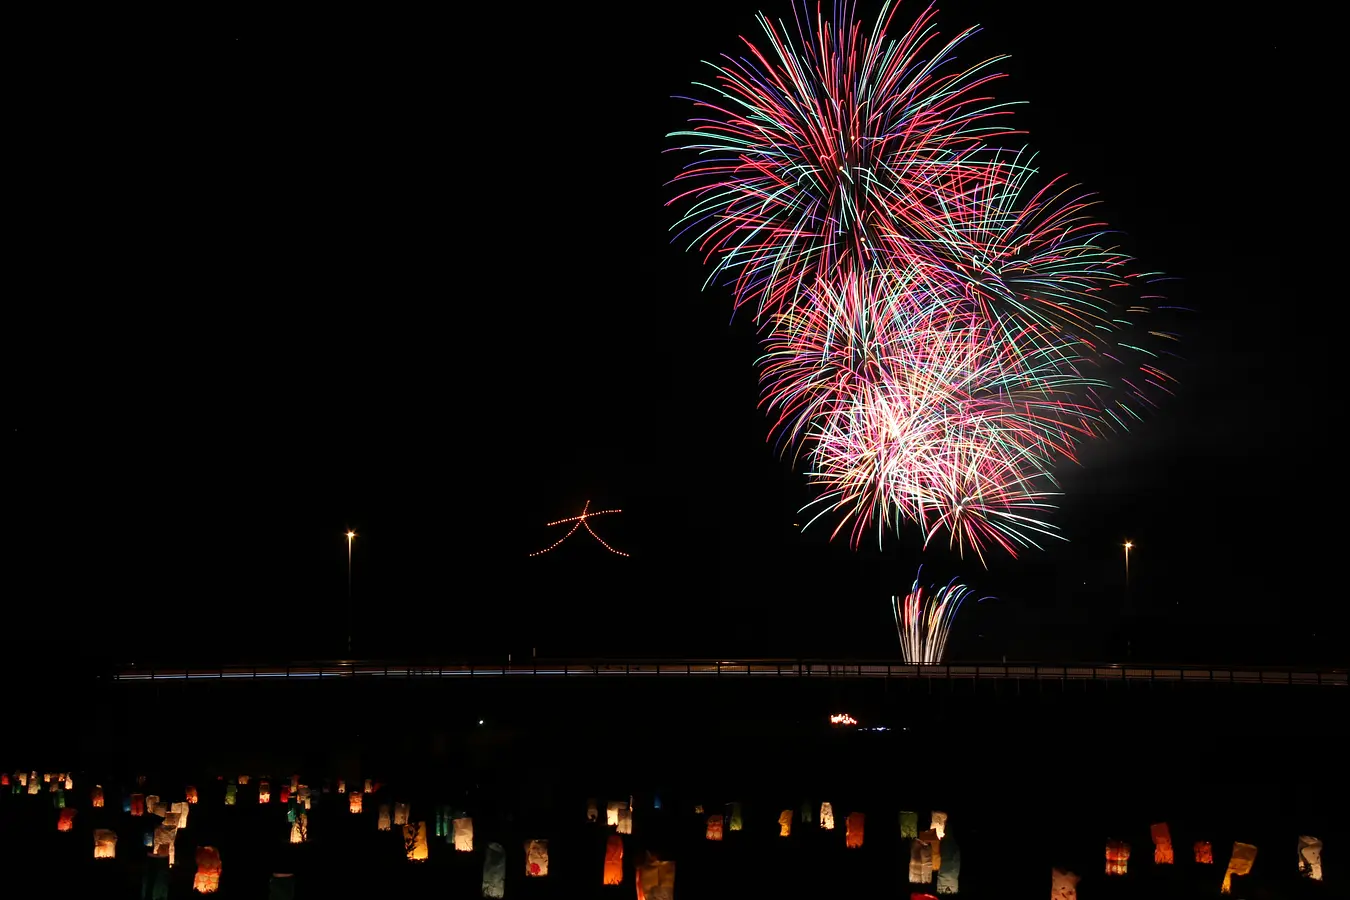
(191, 794)
(207, 879)
(714, 830)
(285, 794)
(66, 821)
(138, 804)
(853, 834)
(614, 860)
(1204, 853)
(1162, 844)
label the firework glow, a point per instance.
(923, 620)
(942, 326)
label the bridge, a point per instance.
(812, 669)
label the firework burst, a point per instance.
(923, 620)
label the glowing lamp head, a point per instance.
(1129, 545)
(350, 535)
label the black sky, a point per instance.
(419, 283)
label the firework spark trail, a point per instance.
(924, 621)
(939, 331)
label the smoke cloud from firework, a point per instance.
(942, 325)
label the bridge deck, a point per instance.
(702, 668)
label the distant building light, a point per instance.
(842, 719)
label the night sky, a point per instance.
(422, 286)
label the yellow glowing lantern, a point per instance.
(536, 859)
(612, 812)
(66, 821)
(300, 829)
(295, 783)
(1117, 857)
(369, 788)
(1310, 857)
(785, 823)
(414, 840)
(1204, 853)
(231, 794)
(655, 879)
(909, 824)
(383, 821)
(34, 786)
(1063, 885)
(592, 811)
(938, 821)
(614, 860)
(827, 816)
(207, 879)
(920, 862)
(342, 785)
(305, 795)
(462, 829)
(853, 830)
(264, 792)
(181, 811)
(105, 844)
(401, 814)
(1244, 855)
(737, 822)
(70, 783)
(354, 801)
(930, 837)
(714, 830)
(625, 825)
(191, 794)
(1162, 844)
(46, 777)
(96, 797)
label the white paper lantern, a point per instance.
(463, 832)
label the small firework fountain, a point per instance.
(924, 619)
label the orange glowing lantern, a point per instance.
(536, 859)
(354, 801)
(1310, 857)
(191, 794)
(285, 795)
(614, 860)
(612, 812)
(66, 821)
(138, 804)
(207, 879)
(1204, 853)
(401, 814)
(70, 783)
(938, 823)
(414, 840)
(785, 823)
(1162, 844)
(105, 844)
(1063, 885)
(655, 879)
(920, 862)
(592, 811)
(853, 830)
(342, 785)
(1244, 855)
(1117, 857)
(934, 843)
(827, 816)
(714, 830)
(96, 797)
(243, 779)
(369, 788)
(264, 792)
(383, 819)
(300, 829)
(462, 829)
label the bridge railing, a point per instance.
(745, 668)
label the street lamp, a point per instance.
(1128, 545)
(350, 534)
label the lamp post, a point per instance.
(1128, 545)
(350, 534)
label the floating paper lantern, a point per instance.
(625, 825)
(808, 813)
(1063, 885)
(827, 816)
(354, 801)
(737, 823)
(383, 820)
(1204, 853)
(536, 858)
(1310, 857)
(655, 879)
(939, 824)
(785, 823)
(300, 829)
(369, 788)
(190, 794)
(264, 792)
(1162, 844)
(105, 844)
(231, 793)
(612, 812)
(1239, 864)
(853, 830)
(614, 860)
(137, 805)
(414, 840)
(1117, 857)
(714, 830)
(401, 814)
(592, 811)
(462, 829)
(909, 824)
(920, 862)
(494, 871)
(207, 879)
(66, 821)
